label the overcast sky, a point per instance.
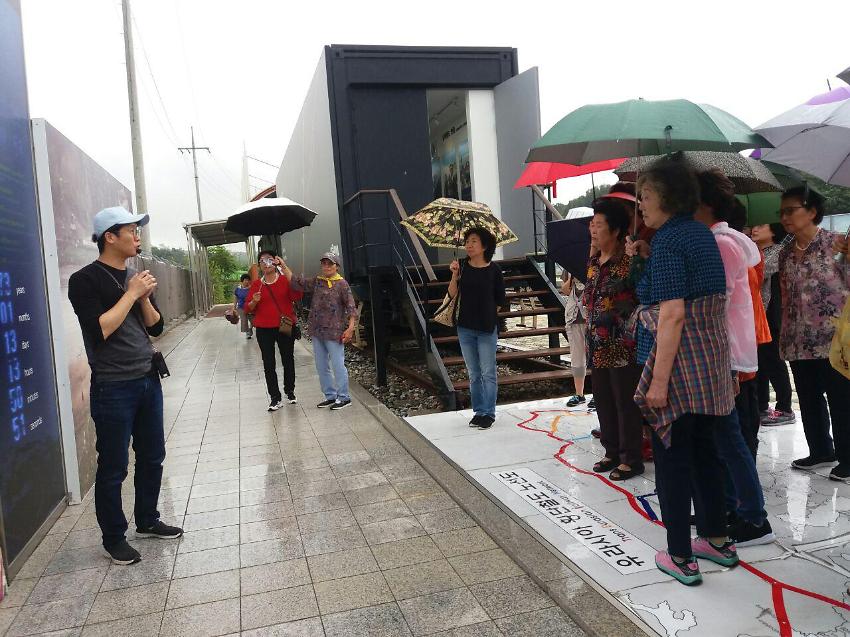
(238, 71)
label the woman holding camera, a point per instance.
(270, 298)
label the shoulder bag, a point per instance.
(449, 309)
(286, 324)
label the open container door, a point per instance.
(517, 102)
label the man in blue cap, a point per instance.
(118, 315)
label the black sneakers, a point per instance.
(576, 400)
(340, 404)
(476, 420)
(748, 534)
(123, 554)
(808, 463)
(326, 403)
(485, 422)
(275, 405)
(841, 473)
(160, 530)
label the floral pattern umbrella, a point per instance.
(443, 222)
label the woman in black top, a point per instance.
(482, 292)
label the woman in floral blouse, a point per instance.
(610, 299)
(815, 288)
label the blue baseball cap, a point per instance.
(115, 216)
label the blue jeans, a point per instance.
(331, 354)
(743, 489)
(479, 354)
(121, 409)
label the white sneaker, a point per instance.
(275, 405)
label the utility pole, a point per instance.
(193, 149)
(135, 129)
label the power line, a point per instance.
(262, 161)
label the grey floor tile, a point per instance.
(148, 571)
(143, 626)
(511, 596)
(348, 457)
(484, 629)
(41, 618)
(418, 487)
(80, 539)
(269, 551)
(380, 511)
(442, 611)
(205, 620)
(277, 607)
(487, 566)
(67, 585)
(362, 481)
(129, 602)
(354, 468)
(405, 552)
(266, 511)
(325, 520)
(7, 616)
(432, 502)
(261, 470)
(209, 489)
(263, 496)
(392, 530)
(17, 592)
(201, 589)
(77, 560)
(319, 503)
(422, 579)
(312, 489)
(385, 620)
(335, 596)
(209, 539)
(551, 622)
(154, 548)
(310, 475)
(212, 477)
(463, 541)
(341, 564)
(310, 627)
(209, 561)
(333, 540)
(212, 503)
(370, 495)
(211, 519)
(268, 481)
(281, 528)
(274, 576)
(445, 520)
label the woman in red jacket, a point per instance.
(269, 298)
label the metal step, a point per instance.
(512, 277)
(510, 334)
(516, 379)
(514, 356)
(508, 295)
(538, 312)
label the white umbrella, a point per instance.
(813, 137)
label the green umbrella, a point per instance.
(641, 127)
(762, 207)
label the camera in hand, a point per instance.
(158, 365)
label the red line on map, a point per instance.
(777, 587)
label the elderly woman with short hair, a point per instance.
(685, 385)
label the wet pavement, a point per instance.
(303, 522)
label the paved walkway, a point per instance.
(306, 522)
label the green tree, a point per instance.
(224, 271)
(585, 200)
(837, 197)
(177, 256)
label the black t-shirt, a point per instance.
(126, 354)
(482, 292)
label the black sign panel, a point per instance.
(31, 472)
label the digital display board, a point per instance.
(31, 470)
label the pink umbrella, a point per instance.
(539, 173)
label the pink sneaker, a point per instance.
(725, 555)
(686, 572)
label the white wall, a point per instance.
(483, 151)
(307, 176)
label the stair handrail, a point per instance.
(402, 213)
(552, 209)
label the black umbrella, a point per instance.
(568, 242)
(269, 216)
(748, 174)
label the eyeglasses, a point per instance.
(136, 231)
(788, 210)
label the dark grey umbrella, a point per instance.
(748, 175)
(845, 75)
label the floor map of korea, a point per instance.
(537, 461)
